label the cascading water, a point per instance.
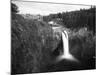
(66, 54)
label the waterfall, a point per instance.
(66, 54)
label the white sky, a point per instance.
(45, 8)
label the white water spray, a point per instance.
(66, 54)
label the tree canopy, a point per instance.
(14, 8)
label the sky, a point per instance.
(27, 7)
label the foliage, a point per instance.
(76, 19)
(14, 8)
(31, 45)
(82, 45)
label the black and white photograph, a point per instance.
(52, 37)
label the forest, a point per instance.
(76, 19)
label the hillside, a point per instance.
(31, 44)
